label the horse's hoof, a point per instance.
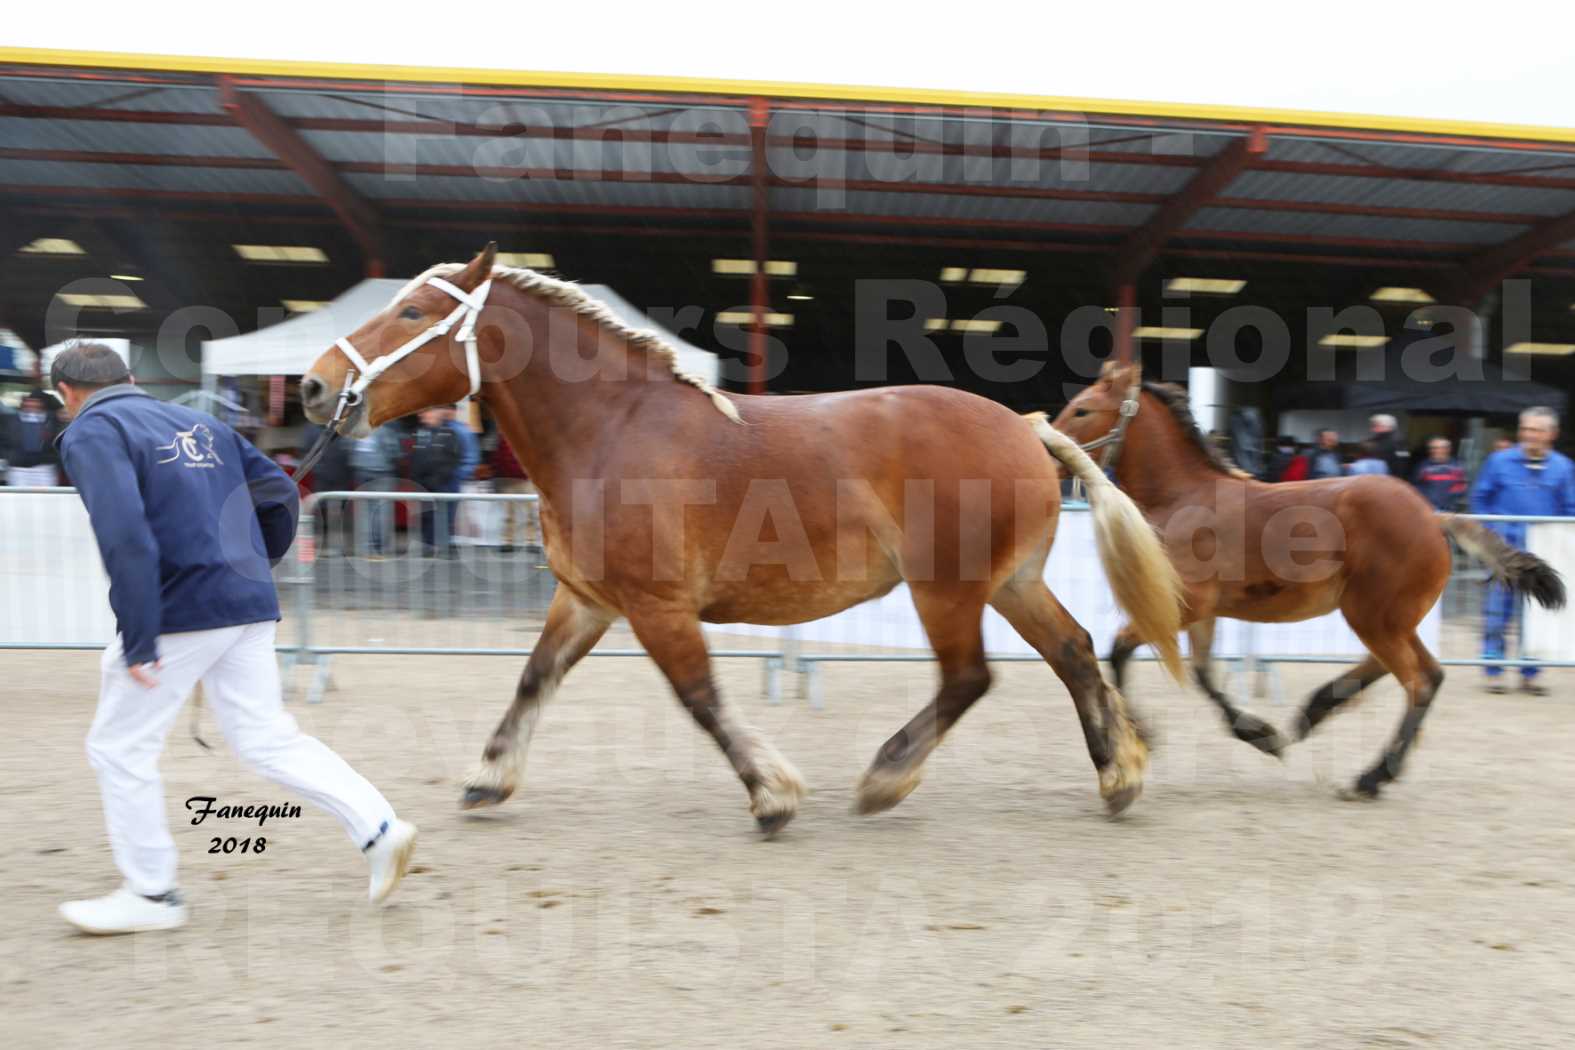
(1117, 802)
(1260, 734)
(1360, 792)
(771, 823)
(880, 790)
(477, 796)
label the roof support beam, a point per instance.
(1482, 272)
(1145, 243)
(285, 143)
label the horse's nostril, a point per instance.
(311, 389)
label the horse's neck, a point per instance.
(565, 406)
(1160, 466)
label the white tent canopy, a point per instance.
(290, 347)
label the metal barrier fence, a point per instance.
(477, 584)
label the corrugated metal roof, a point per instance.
(106, 136)
(1363, 227)
(939, 206)
(958, 148)
(1401, 193)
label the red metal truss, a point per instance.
(285, 143)
(1483, 271)
(1147, 241)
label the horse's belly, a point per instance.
(785, 601)
(1276, 601)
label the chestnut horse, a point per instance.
(1369, 546)
(656, 491)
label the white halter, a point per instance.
(469, 308)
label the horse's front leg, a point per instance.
(572, 629)
(673, 638)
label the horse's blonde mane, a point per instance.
(571, 295)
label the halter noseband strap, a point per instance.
(364, 373)
(1116, 437)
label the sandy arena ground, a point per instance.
(624, 900)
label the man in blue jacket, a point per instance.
(189, 519)
(1528, 479)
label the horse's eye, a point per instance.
(1080, 413)
(410, 313)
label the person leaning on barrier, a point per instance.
(32, 454)
(1528, 480)
(1441, 479)
(189, 519)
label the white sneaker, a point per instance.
(389, 856)
(125, 912)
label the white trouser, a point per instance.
(30, 477)
(240, 679)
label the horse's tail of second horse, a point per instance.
(1520, 571)
(1145, 582)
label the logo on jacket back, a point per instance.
(193, 448)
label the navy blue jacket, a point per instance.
(189, 516)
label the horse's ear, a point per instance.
(479, 269)
(1120, 374)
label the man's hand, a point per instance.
(143, 675)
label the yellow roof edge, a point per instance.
(258, 67)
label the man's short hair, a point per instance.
(88, 365)
(1383, 420)
(1541, 412)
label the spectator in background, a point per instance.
(1502, 443)
(469, 459)
(1441, 478)
(375, 462)
(331, 474)
(1385, 437)
(434, 464)
(1529, 479)
(7, 430)
(1325, 459)
(33, 457)
(522, 520)
(1368, 461)
(1284, 455)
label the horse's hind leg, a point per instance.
(571, 630)
(1421, 675)
(1247, 727)
(1115, 743)
(673, 638)
(955, 630)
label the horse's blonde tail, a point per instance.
(1145, 583)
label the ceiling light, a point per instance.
(773, 320)
(1352, 341)
(935, 324)
(303, 306)
(53, 246)
(800, 297)
(1546, 349)
(1160, 332)
(528, 260)
(102, 302)
(1401, 295)
(124, 277)
(280, 253)
(987, 276)
(953, 274)
(746, 267)
(976, 326)
(1204, 285)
